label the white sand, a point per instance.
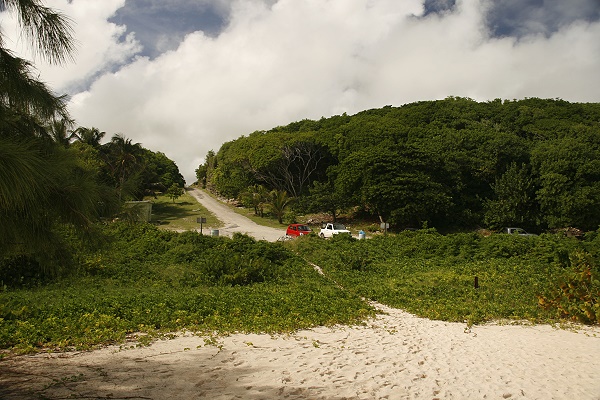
(396, 356)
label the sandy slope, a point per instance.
(395, 356)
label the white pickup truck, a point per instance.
(329, 229)
(518, 231)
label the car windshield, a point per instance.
(303, 228)
(339, 227)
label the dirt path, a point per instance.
(234, 222)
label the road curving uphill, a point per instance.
(234, 222)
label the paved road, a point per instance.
(234, 222)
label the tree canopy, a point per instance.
(454, 163)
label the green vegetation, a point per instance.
(138, 279)
(174, 192)
(265, 220)
(261, 214)
(57, 180)
(42, 184)
(143, 279)
(433, 275)
(181, 214)
(578, 296)
(71, 279)
(454, 164)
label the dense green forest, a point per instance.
(452, 164)
(57, 180)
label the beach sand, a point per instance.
(394, 356)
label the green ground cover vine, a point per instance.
(138, 279)
(433, 275)
(151, 281)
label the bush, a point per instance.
(21, 271)
(290, 217)
(229, 268)
(578, 295)
(432, 275)
(352, 254)
(506, 246)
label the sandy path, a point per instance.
(395, 356)
(234, 222)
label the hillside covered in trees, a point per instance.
(451, 164)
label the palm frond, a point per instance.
(49, 31)
(19, 90)
(24, 175)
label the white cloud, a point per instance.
(295, 59)
(97, 41)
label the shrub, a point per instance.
(290, 217)
(229, 268)
(506, 246)
(352, 254)
(578, 295)
(20, 271)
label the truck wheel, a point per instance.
(322, 235)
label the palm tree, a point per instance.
(48, 32)
(125, 161)
(60, 131)
(279, 200)
(26, 103)
(91, 136)
(22, 93)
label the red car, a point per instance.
(295, 230)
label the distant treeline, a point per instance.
(450, 164)
(56, 183)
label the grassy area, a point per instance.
(433, 275)
(265, 221)
(141, 279)
(181, 214)
(154, 281)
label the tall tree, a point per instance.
(49, 34)
(255, 196)
(42, 184)
(60, 130)
(325, 198)
(397, 184)
(515, 203)
(26, 103)
(204, 171)
(293, 168)
(569, 175)
(124, 160)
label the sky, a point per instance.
(184, 76)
